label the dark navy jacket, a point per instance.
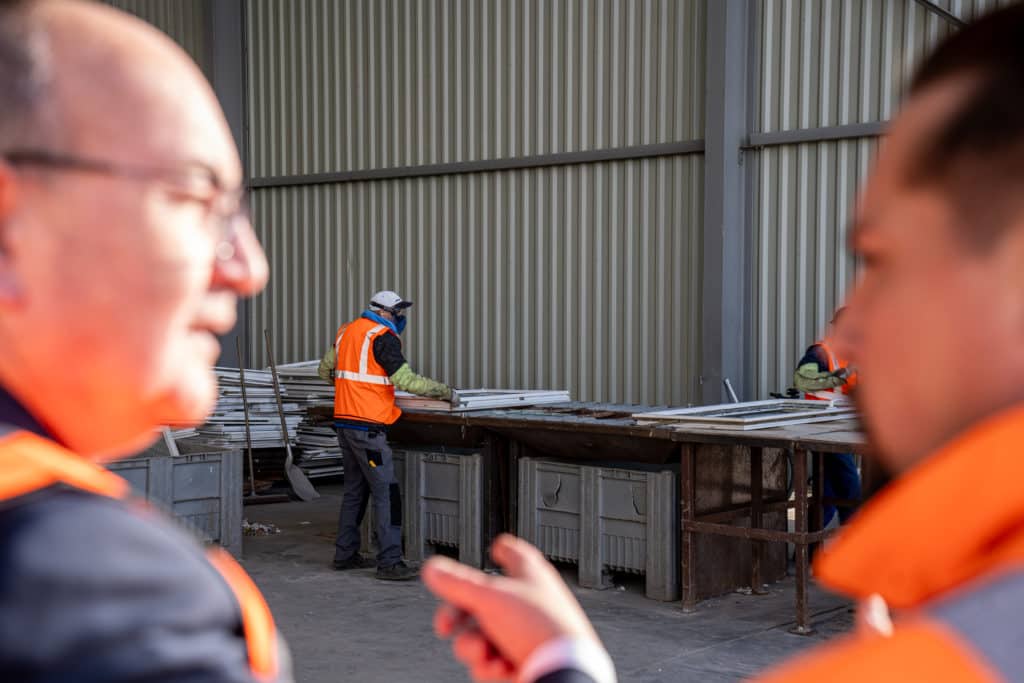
(93, 592)
(90, 591)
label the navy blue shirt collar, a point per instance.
(14, 414)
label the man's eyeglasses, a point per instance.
(194, 180)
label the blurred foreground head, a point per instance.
(123, 248)
(938, 313)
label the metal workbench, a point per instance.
(607, 433)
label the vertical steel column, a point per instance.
(724, 280)
(225, 43)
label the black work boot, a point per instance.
(397, 572)
(357, 561)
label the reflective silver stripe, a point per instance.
(986, 616)
(362, 377)
(364, 353)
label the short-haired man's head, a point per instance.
(27, 117)
(976, 156)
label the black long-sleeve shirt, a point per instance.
(387, 349)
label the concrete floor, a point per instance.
(347, 626)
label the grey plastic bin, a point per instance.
(603, 519)
(441, 504)
(201, 490)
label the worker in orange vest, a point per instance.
(126, 246)
(936, 558)
(366, 365)
(823, 374)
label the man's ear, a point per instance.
(10, 283)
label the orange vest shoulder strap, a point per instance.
(30, 463)
(257, 621)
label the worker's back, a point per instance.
(362, 390)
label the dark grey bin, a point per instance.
(603, 519)
(441, 504)
(202, 490)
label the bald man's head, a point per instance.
(79, 75)
(124, 243)
(26, 112)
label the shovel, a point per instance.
(296, 477)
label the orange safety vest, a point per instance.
(943, 547)
(30, 463)
(834, 363)
(362, 389)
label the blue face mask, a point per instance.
(400, 322)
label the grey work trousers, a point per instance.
(369, 473)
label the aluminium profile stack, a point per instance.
(752, 415)
(484, 399)
(226, 425)
(304, 386)
(319, 452)
(317, 442)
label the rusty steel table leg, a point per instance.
(756, 503)
(688, 512)
(803, 626)
(817, 516)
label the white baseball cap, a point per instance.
(389, 301)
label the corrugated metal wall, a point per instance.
(341, 85)
(834, 62)
(803, 196)
(358, 84)
(584, 277)
(182, 20)
(819, 63)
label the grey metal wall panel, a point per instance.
(182, 20)
(803, 196)
(835, 62)
(582, 277)
(337, 85)
(819, 63)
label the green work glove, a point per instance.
(327, 365)
(407, 380)
(809, 378)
